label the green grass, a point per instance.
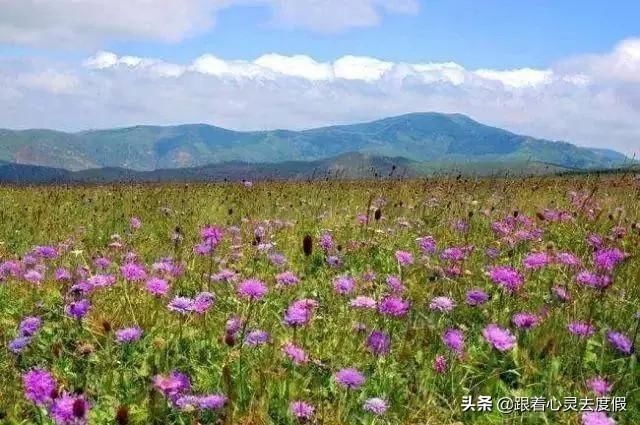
(260, 382)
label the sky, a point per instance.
(559, 70)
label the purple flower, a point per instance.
(334, 261)
(599, 386)
(188, 402)
(102, 263)
(256, 337)
(202, 248)
(440, 364)
(173, 385)
(29, 326)
(101, 280)
(501, 339)
(203, 302)
(594, 280)
(302, 410)
(252, 289)
(298, 314)
(395, 284)
(581, 329)
(277, 259)
(620, 342)
(477, 297)
(363, 302)
(135, 223)
(18, 344)
(567, 259)
(78, 309)
(211, 235)
(212, 401)
(379, 343)
(47, 252)
(393, 306)
(525, 320)
(343, 285)
(442, 304)
(62, 274)
(70, 410)
(33, 276)
(286, 279)
(350, 378)
(506, 277)
(561, 293)
(224, 275)
(453, 253)
(326, 242)
(492, 252)
(427, 244)
(234, 324)
(404, 258)
(39, 385)
(181, 305)
(454, 339)
(158, 287)
(608, 259)
(375, 405)
(133, 272)
(536, 260)
(127, 335)
(596, 418)
(297, 355)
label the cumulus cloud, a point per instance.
(591, 100)
(61, 23)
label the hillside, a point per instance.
(433, 137)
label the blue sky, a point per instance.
(563, 70)
(478, 34)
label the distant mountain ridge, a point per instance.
(347, 166)
(420, 137)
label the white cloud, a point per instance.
(336, 15)
(592, 100)
(53, 22)
(622, 64)
(296, 66)
(360, 68)
(518, 77)
(49, 80)
(60, 23)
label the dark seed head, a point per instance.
(229, 339)
(79, 408)
(378, 214)
(122, 415)
(307, 245)
(106, 326)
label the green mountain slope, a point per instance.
(434, 137)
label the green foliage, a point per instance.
(421, 137)
(260, 382)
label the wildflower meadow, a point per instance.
(326, 302)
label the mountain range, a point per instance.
(418, 143)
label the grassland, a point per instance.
(60, 246)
